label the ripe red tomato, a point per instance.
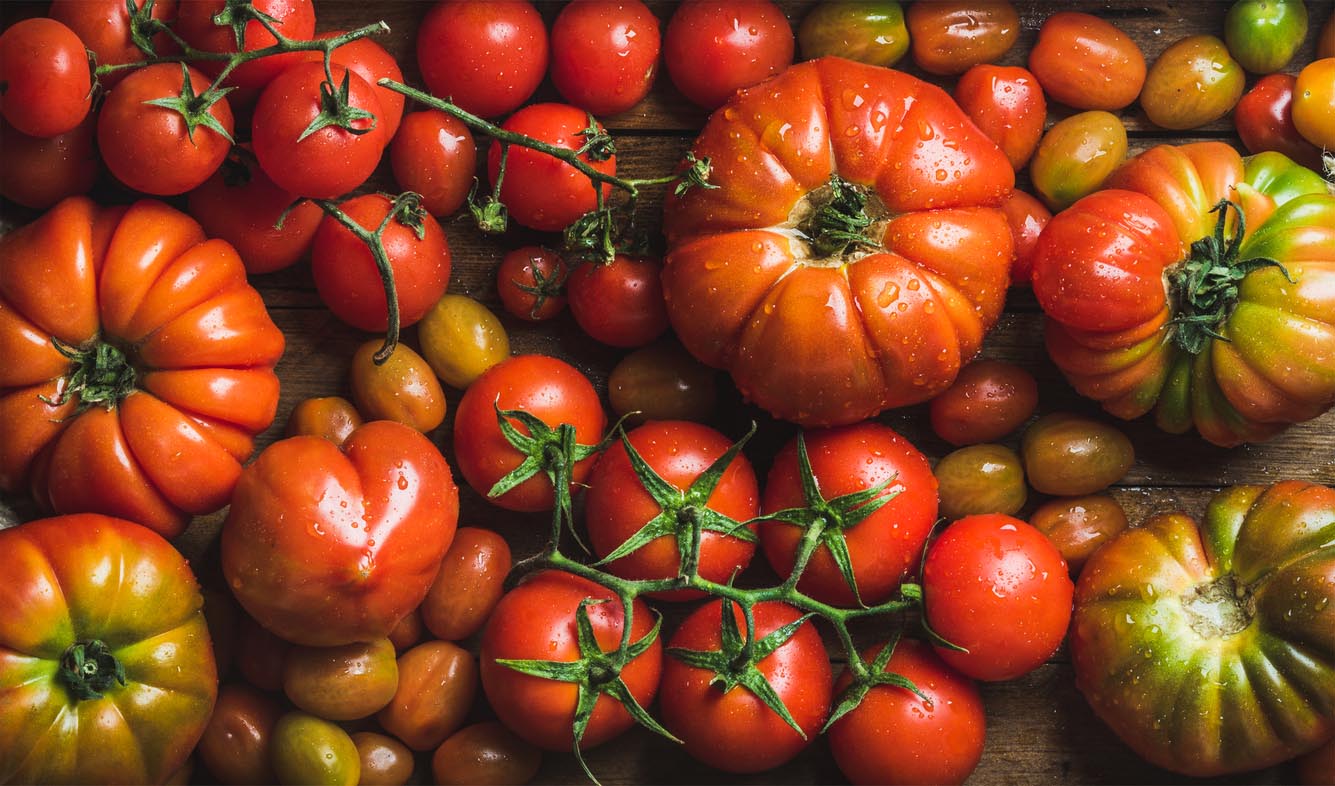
(1086, 62)
(44, 69)
(714, 48)
(38, 172)
(487, 56)
(434, 155)
(293, 18)
(619, 303)
(369, 60)
(997, 587)
(531, 282)
(604, 54)
(348, 280)
(733, 729)
(1027, 216)
(1007, 104)
(104, 27)
(950, 37)
(1264, 120)
(990, 399)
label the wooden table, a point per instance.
(1040, 730)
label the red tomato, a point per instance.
(604, 54)
(542, 192)
(884, 546)
(734, 730)
(44, 70)
(369, 60)
(1087, 62)
(38, 172)
(105, 28)
(714, 48)
(549, 389)
(531, 282)
(894, 737)
(989, 400)
(487, 56)
(619, 303)
(349, 281)
(1007, 104)
(434, 155)
(1264, 119)
(950, 37)
(1027, 216)
(293, 18)
(997, 587)
(536, 620)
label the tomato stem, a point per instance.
(100, 375)
(89, 669)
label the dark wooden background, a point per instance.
(1040, 731)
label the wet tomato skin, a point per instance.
(1070, 455)
(1077, 526)
(988, 400)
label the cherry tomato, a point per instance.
(661, 382)
(714, 48)
(330, 417)
(434, 155)
(995, 586)
(988, 400)
(487, 56)
(1070, 455)
(1006, 103)
(604, 54)
(1195, 81)
(485, 754)
(1027, 217)
(235, 745)
(346, 275)
(306, 749)
(1087, 62)
(401, 389)
(951, 36)
(38, 172)
(260, 655)
(461, 339)
(894, 737)
(48, 85)
(341, 683)
(531, 282)
(1314, 103)
(1264, 120)
(468, 586)
(619, 303)
(384, 760)
(105, 28)
(1077, 526)
(437, 683)
(407, 632)
(295, 19)
(868, 31)
(1076, 155)
(980, 479)
(1264, 35)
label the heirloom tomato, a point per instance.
(1264, 120)
(980, 479)
(1163, 293)
(1210, 648)
(990, 399)
(48, 85)
(435, 155)
(713, 48)
(142, 364)
(868, 31)
(604, 54)
(1314, 103)
(1193, 82)
(765, 275)
(1264, 35)
(485, 753)
(1006, 103)
(461, 339)
(106, 671)
(107, 30)
(950, 36)
(1027, 216)
(1086, 62)
(38, 172)
(328, 545)
(218, 26)
(1076, 156)
(619, 303)
(487, 56)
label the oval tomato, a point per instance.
(434, 155)
(461, 339)
(1264, 35)
(1006, 103)
(950, 37)
(713, 48)
(1193, 82)
(307, 749)
(1078, 526)
(1314, 103)
(47, 82)
(486, 753)
(235, 745)
(619, 303)
(863, 30)
(531, 283)
(1264, 120)
(604, 54)
(38, 172)
(195, 22)
(106, 29)
(1070, 455)
(661, 382)
(1076, 156)
(341, 683)
(990, 399)
(468, 586)
(980, 479)
(436, 686)
(402, 389)
(384, 760)
(330, 417)
(1027, 216)
(487, 56)
(1087, 62)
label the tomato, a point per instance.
(1070, 455)
(330, 417)
(224, 618)
(620, 302)
(952, 36)
(468, 586)
(1210, 648)
(540, 191)
(990, 399)
(235, 745)
(402, 388)
(331, 161)
(45, 73)
(341, 683)
(384, 760)
(980, 479)
(713, 48)
(604, 54)
(260, 655)
(348, 279)
(1314, 103)
(1195, 81)
(894, 737)
(434, 155)
(369, 60)
(1078, 526)
(306, 749)
(1264, 121)
(407, 632)
(729, 726)
(105, 28)
(547, 388)
(995, 586)
(661, 382)
(485, 754)
(38, 172)
(328, 545)
(833, 331)
(1318, 767)
(1076, 156)
(1027, 216)
(106, 669)
(461, 339)
(1264, 35)
(531, 282)
(1006, 103)
(437, 683)
(1086, 62)
(486, 56)
(868, 32)
(883, 546)
(195, 22)
(175, 350)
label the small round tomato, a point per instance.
(485, 754)
(988, 400)
(604, 54)
(461, 339)
(1264, 35)
(662, 382)
(1195, 81)
(619, 303)
(47, 82)
(997, 587)
(980, 479)
(1027, 217)
(486, 56)
(38, 172)
(714, 48)
(384, 760)
(1070, 455)
(105, 28)
(1086, 62)
(306, 749)
(1076, 155)
(734, 729)
(437, 684)
(894, 737)
(348, 279)
(1006, 103)
(330, 417)
(369, 60)
(341, 683)
(531, 282)
(952, 36)
(195, 23)
(1264, 120)
(1314, 103)
(468, 586)
(235, 745)
(403, 388)
(260, 655)
(868, 31)
(434, 155)
(1077, 526)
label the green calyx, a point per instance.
(143, 27)
(88, 669)
(695, 174)
(100, 375)
(236, 14)
(337, 110)
(598, 144)
(840, 223)
(875, 674)
(195, 109)
(544, 287)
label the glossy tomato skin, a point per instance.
(990, 399)
(715, 48)
(384, 760)
(436, 687)
(529, 268)
(235, 744)
(619, 303)
(293, 18)
(661, 382)
(104, 28)
(950, 37)
(38, 172)
(1264, 121)
(1264, 35)
(865, 31)
(1078, 526)
(1314, 103)
(894, 737)
(604, 54)
(980, 479)
(1027, 216)
(369, 60)
(56, 595)
(1076, 156)
(1086, 62)
(536, 620)
(1184, 631)
(468, 586)
(434, 155)
(461, 339)
(487, 754)
(735, 731)
(48, 84)
(486, 56)
(402, 389)
(307, 515)
(1007, 104)
(884, 546)
(307, 749)
(1193, 82)
(1069, 455)
(341, 683)
(330, 417)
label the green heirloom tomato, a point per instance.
(1263, 35)
(310, 750)
(1195, 81)
(1210, 648)
(867, 31)
(1076, 155)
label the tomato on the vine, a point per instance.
(604, 54)
(531, 283)
(713, 48)
(197, 22)
(369, 60)
(47, 81)
(434, 155)
(106, 29)
(619, 303)
(487, 56)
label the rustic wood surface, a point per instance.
(1040, 731)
